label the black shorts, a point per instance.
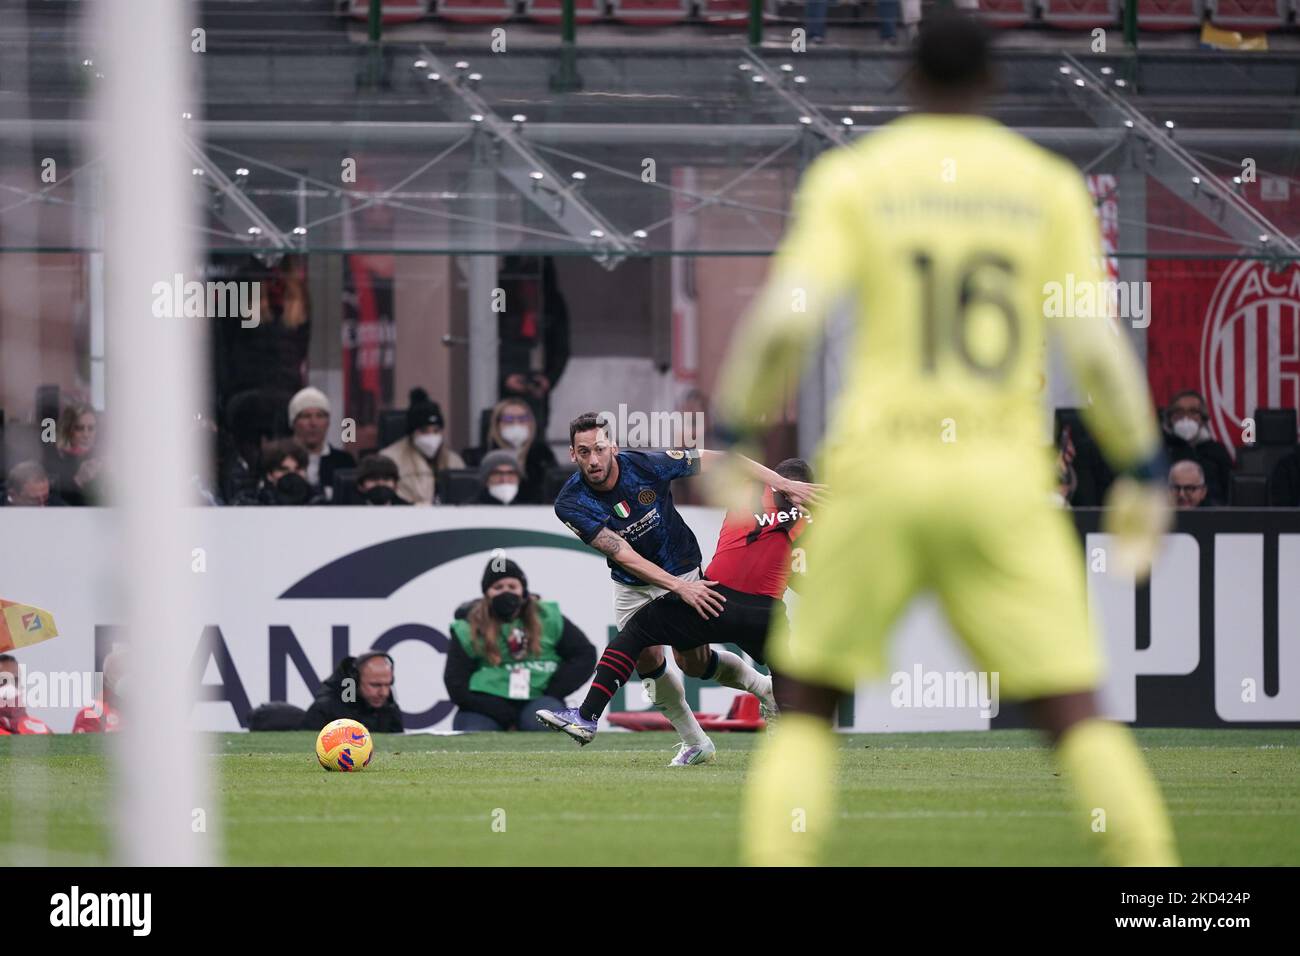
(745, 621)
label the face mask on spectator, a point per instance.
(1187, 428)
(380, 495)
(428, 444)
(506, 605)
(516, 435)
(292, 489)
(503, 493)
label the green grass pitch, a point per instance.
(981, 798)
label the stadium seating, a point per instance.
(1170, 14)
(555, 479)
(476, 11)
(392, 426)
(1249, 15)
(1081, 14)
(650, 12)
(1006, 14)
(1275, 426)
(724, 11)
(345, 487)
(1248, 491)
(458, 486)
(551, 11)
(391, 11)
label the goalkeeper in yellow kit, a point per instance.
(943, 233)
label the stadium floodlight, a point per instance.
(300, 230)
(1065, 70)
(1107, 71)
(420, 65)
(186, 116)
(254, 231)
(598, 234)
(640, 234)
(847, 121)
(462, 65)
(805, 120)
(476, 117)
(578, 176)
(1121, 83)
(787, 68)
(801, 79)
(196, 172)
(433, 77)
(756, 78)
(242, 171)
(1128, 123)
(1080, 82)
(536, 176)
(745, 67)
(1169, 124)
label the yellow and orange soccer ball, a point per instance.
(344, 745)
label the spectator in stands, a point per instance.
(309, 417)
(283, 479)
(361, 689)
(423, 454)
(251, 422)
(1284, 485)
(887, 10)
(1187, 488)
(74, 464)
(814, 20)
(14, 718)
(535, 320)
(102, 716)
(499, 479)
(513, 428)
(28, 486)
(377, 479)
(1187, 438)
(512, 655)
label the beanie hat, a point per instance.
(495, 459)
(508, 570)
(422, 411)
(307, 398)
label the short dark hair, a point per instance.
(795, 468)
(277, 451)
(585, 423)
(8, 659)
(953, 51)
(377, 468)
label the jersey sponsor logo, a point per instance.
(1250, 346)
(675, 453)
(622, 510)
(646, 497)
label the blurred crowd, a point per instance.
(273, 453)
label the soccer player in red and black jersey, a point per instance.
(751, 566)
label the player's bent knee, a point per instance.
(651, 659)
(694, 662)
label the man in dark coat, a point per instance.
(361, 689)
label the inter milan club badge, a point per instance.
(675, 453)
(646, 497)
(622, 510)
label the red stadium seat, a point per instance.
(1006, 13)
(1081, 14)
(1249, 16)
(391, 11)
(724, 11)
(1170, 14)
(476, 11)
(648, 13)
(550, 11)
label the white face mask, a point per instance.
(516, 435)
(1187, 428)
(503, 493)
(428, 444)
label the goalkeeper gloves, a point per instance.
(1138, 515)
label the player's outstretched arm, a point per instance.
(698, 594)
(800, 493)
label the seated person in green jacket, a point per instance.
(512, 655)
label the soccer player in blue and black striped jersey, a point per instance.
(621, 503)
